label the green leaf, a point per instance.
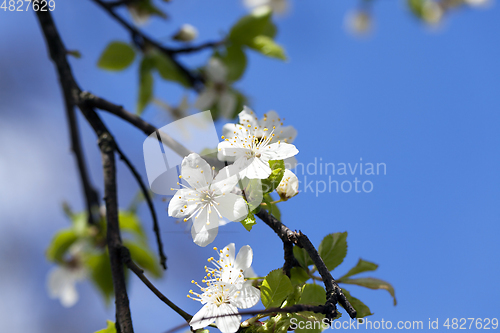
(272, 208)
(309, 321)
(143, 257)
(109, 329)
(274, 179)
(313, 294)
(270, 30)
(130, 222)
(275, 288)
(361, 266)
(145, 84)
(361, 309)
(249, 221)
(145, 8)
(373, 283)
(255, 24)
(333, 249)
(302, 257)
(116, 57)
(294, 297)
(167, 69)
(100, 273)
(60, 244)
(267, 47)
(298, 275)
(235, 61)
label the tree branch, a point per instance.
(140, 274)
(106, 143)
(191, 49)
(333, 292)
(149, 201)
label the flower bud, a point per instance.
(186, 33)
(289, 186)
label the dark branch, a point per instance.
(140, 274)
(142, 40)
(191, 49)
(149, 201)
(333, 292)
(106, 143)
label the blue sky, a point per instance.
(424, 102)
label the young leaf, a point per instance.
(309, 322)
(333, 249)
(168, 70)
(130, 222)
(60, 244)
(361, 266)
(361, 309)
(274, 179)
(249, 26)
(275, 288)
(302, 257)
(100, 273)
(313, 294)
(298, 275)
(109, 329)
(267, 47)
(373, 283)
(235, 61)
(143, 257)
(249, 221)
(116, 57)
(145, 84)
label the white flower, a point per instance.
(61, 283)
(289, 186)
(226, 291)
(186, 33)
(207, 200)
(277, 6)
(217, 90)
(250, 148)
(478, 3)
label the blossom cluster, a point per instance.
(207, 198)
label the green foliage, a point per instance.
(272, 208)
(145, 83)
(130, 222)
(249, 221)
(373, 283)
(60, 244)
(167, 69)
(235, 61)
(361, 266)
(302, 257)
(361, 309)
(116, 56)
(275, 288)
(268, 47)
(274, 179)
(313, 294)
(143, 257)
(109, 329)
(333, 249)
(298, 275)
(100, 274)
(146, 8)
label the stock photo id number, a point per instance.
(26, 5)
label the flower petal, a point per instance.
(247, 116)
(244, 258)
(196, 171)
(216, 71)
(279, 151)
(227, 255)
(248, 297)
(228, 151)
(68, 295)
(224, 182)
(204, 317)
(228, 324)
(233, 207)
(251, 168)
(205, 227)
(180, 205)
(227, 104)
(285, 133)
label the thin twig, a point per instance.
(333, 292)
(149, 201)
(191, 49)
(140, 274)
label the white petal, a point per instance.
(228, 151)
(254, 168)
(204, 317)
(206, 99)
(228, 130)
(181, 199)
(227, 254)
(203, 233)
(248, 297)
(287, 133)
(69, 296)
(216, 71)
(228, 324)
(270, 120)
(289, 185)
(233, 207)
(244, 258)
(196, 171)
(224, 182)
(247, 116)
(56, 279)
(279, 151)
(227, 104)
(290, 163)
